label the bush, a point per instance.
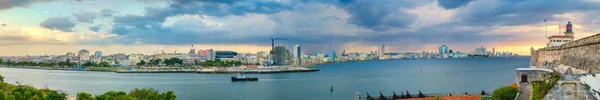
(84, 96)
(1, 78)
(505, 93)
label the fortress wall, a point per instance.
(582, 54)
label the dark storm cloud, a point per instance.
(385, 21)
(378, 15)
(147, 28)
(8, 4)
(451, 4)
(58, 23)
(519, 12)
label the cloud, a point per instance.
(58, 23)
(379, 15)
(85, 16)
(502, 12)
(107, 12)
(95, 28)
(3, 25)
(8, 4)
(451, 4)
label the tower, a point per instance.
(192, 49)
(297, 54)
(380, 50)
(569, 31)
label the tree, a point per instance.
(144, 94)
(55, 96)
(26, 93)
(104, 64)
(141, 63)
(1, 78)
(505, 93)
(169, 95)
(84, 96)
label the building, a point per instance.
(297, 54)
(331, 55)
(280, 55)
(84, 55)
(380, 50)
(493, 52)
(443, 50)
(203, 53)
(210, 54)
(261, 57)
(98, 54)
(225, 54)
(557, 40)
(480, 51)
(192, 49)
(70, 55)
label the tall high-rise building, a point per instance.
(280, 55)
(210, 54)
(331, 55)
(98, 54)
(493, 52)
(443, 50)
(380, 50)
(298, 54)
(84, 55)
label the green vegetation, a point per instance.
(220, 63)
(587, 86)
(41, 64)
(141, 63)
(101, 64)
(24, 92)
(541, 88)
(135, 94)
(505, 93)
(173, 61)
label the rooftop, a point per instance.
(561, 36)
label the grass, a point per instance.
(541, 88)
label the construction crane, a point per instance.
(273, 41)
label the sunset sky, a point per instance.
(38, 27)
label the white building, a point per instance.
(557, 40)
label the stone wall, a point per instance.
(581, 54)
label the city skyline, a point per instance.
(33, 27)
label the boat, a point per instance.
(241, 77)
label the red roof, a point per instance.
(561, 36)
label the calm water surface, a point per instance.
(438, 76)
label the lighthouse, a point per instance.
(569, 31)
(557, 40)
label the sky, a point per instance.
(54, 27)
